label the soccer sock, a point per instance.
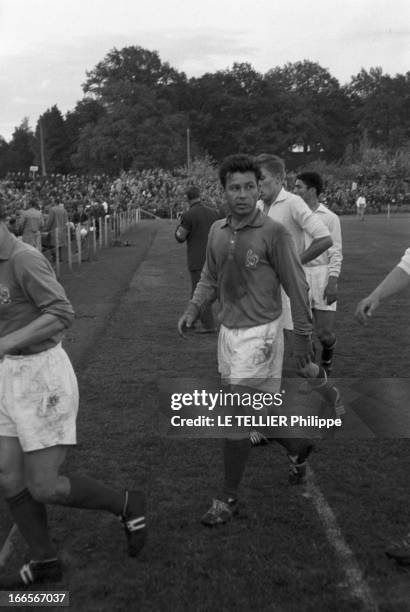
(91, 494)
(30, 517)
(236, 453)
(320, 384)
(327, 352)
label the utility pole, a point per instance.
(42, 156)
(188, 150)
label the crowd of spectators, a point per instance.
(162, 192)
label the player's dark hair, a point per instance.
(238, 163)
(274, 164)
(193, 193)
(311, 179)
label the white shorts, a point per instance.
(38, 399)
(252, 356)
(316, 277)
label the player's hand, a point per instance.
(302, 350)
(330, 292)
(187, 320)
(365, 308)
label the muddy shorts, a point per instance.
(38, 399)
(252, 356)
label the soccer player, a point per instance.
(248, 258)
(38, 409)
(361, 206)
(322, 273)
(290, 210)
(194, 229)
(397, 280)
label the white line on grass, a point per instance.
(354, 577)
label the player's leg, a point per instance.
(30, 517)
(325, 323)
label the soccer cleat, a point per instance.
(133, 519)
(220, 512)
(259, 439)
(298, 465)
(32, 573)
(400, 552)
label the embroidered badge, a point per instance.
(252, 259)
(4, 295)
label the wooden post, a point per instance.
(100, 227)
(79, 245)
(94, 237)
(105, 231)
(70, 262)
(57, 253)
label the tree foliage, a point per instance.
(136, 110)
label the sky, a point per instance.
(46, 46)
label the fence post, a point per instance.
(70, 263)
(79, 245)
(100, 232)
(105, 231)
(57, 253)
(94, 237)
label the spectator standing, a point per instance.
(194, 229)
(31, 224)
(57, 228)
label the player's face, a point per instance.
(269, 186)
(301, 189)
(241, 193)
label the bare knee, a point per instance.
(326, 337)
(42, 490)
(11, 482)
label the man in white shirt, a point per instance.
(322, 273)
(361, 206)
(396, 280)
(291, 211)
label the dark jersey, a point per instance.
(197, 221)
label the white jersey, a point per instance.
(332, 257)
(293, 212)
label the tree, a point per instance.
(4, 149)
(381, 106)
(56, 142)
(20, 154)
(317, 108)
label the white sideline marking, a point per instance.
(354, 577)
(8, 546)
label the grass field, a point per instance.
(290, 550)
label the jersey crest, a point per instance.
(4, 295)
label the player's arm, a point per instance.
(316, 248)
(394, 282)
(292, 277)
(335, 262)
(39, 284)
(313, 226)
(37, 331)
